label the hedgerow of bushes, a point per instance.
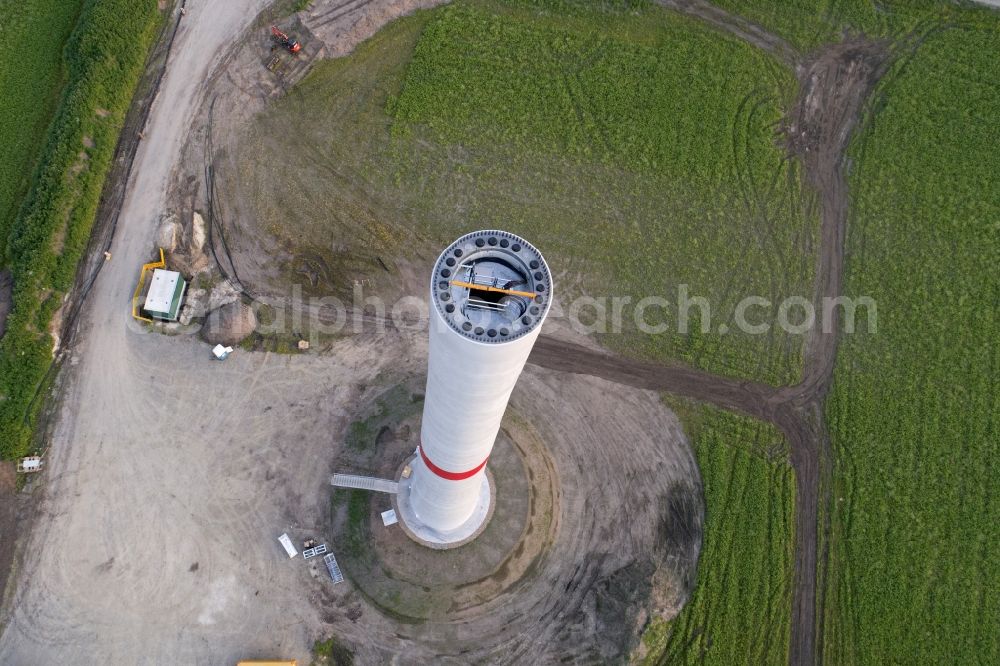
(104, 59)
(33, 86)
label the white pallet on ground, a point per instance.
(364, 483)
(333, 568)
(286, 543)
(313, 552)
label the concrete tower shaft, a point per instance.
(490, 291)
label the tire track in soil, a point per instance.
(759, 231)
(737, 26)
(339, 11)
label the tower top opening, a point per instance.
(491, 286)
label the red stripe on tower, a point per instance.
(451, 476)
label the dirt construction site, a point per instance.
(143, 547)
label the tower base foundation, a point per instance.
(430, 537)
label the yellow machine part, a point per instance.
(482, 287)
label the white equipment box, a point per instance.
(288, 546)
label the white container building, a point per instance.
(165, 295)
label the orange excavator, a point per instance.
(284, 40)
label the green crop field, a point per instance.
(102, 59)
(31, 76)
(638, 147)
(740, 610)
(915, 411)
